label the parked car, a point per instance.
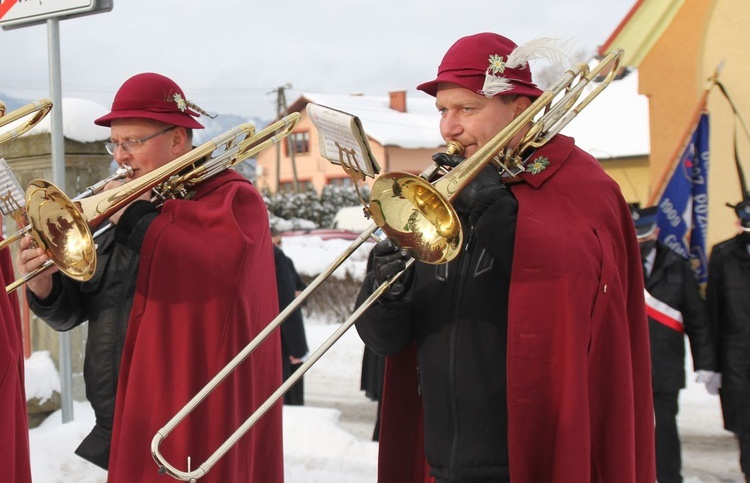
(351, 218)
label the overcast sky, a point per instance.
(229, 56)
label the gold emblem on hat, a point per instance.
(497, 66)
(181, 104)
(538, 165)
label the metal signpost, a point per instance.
(23, 13)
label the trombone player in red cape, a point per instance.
(178, 291)
(526, 358)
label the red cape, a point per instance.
(578, 365)
(206, 286)
(14, 425)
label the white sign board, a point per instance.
(23, 12)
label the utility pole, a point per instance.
(280, 111)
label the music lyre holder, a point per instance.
(348, 161)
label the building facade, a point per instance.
(677, 45)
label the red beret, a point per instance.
(468, 60)
(151, 96)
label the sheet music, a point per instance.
(12, 197)
(342, 139)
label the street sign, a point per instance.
(20, 13)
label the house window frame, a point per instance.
(344, 181)
(302, 146)
(287, 185)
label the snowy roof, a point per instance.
(414, 129)
(616, 123)
(78, 121)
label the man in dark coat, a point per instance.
(294, 348)
(371, 377)
(525, 358)
(728, 299)
(156, 336)
(675, 308)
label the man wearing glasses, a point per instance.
(178, 291)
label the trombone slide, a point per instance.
(37, 111)
(71, 246)
(164, 465)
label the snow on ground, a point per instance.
(322, 448)
(317, 449)
(328, 440)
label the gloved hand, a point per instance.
(711, 379)
(388, 260)
(483, 190)
(447, 160)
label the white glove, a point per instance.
(711, 379)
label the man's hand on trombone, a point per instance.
(388, 260)
(31, 257)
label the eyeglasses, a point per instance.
(134, 145)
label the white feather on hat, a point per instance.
(551, 49)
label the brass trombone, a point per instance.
(428, 226)
(35, 110)
(419, 215)
(62, 226)
(82, 268)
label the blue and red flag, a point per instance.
(682, 215)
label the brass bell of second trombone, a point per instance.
(61, 230)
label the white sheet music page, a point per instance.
(342, 139)
(12, 197)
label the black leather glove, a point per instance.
(486, 188)
(388, 260)
(447, 160)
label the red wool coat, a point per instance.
(578, 368)
(206, 286)
(14, 425)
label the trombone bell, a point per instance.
(409, 209)
(60, 229)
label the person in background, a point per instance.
(371, 377)
(728, 299)
(675, 309)
(371, 382)
(174, 298)
(14, 435)
(526, 358)
(294, 348)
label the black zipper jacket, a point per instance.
(728, 299)
(457, 314)
(672, 282)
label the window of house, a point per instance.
(344, 181)
(300, 142)
(288, 186)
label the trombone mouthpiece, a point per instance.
(455, 148)
(123, 171)
(452, 156)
